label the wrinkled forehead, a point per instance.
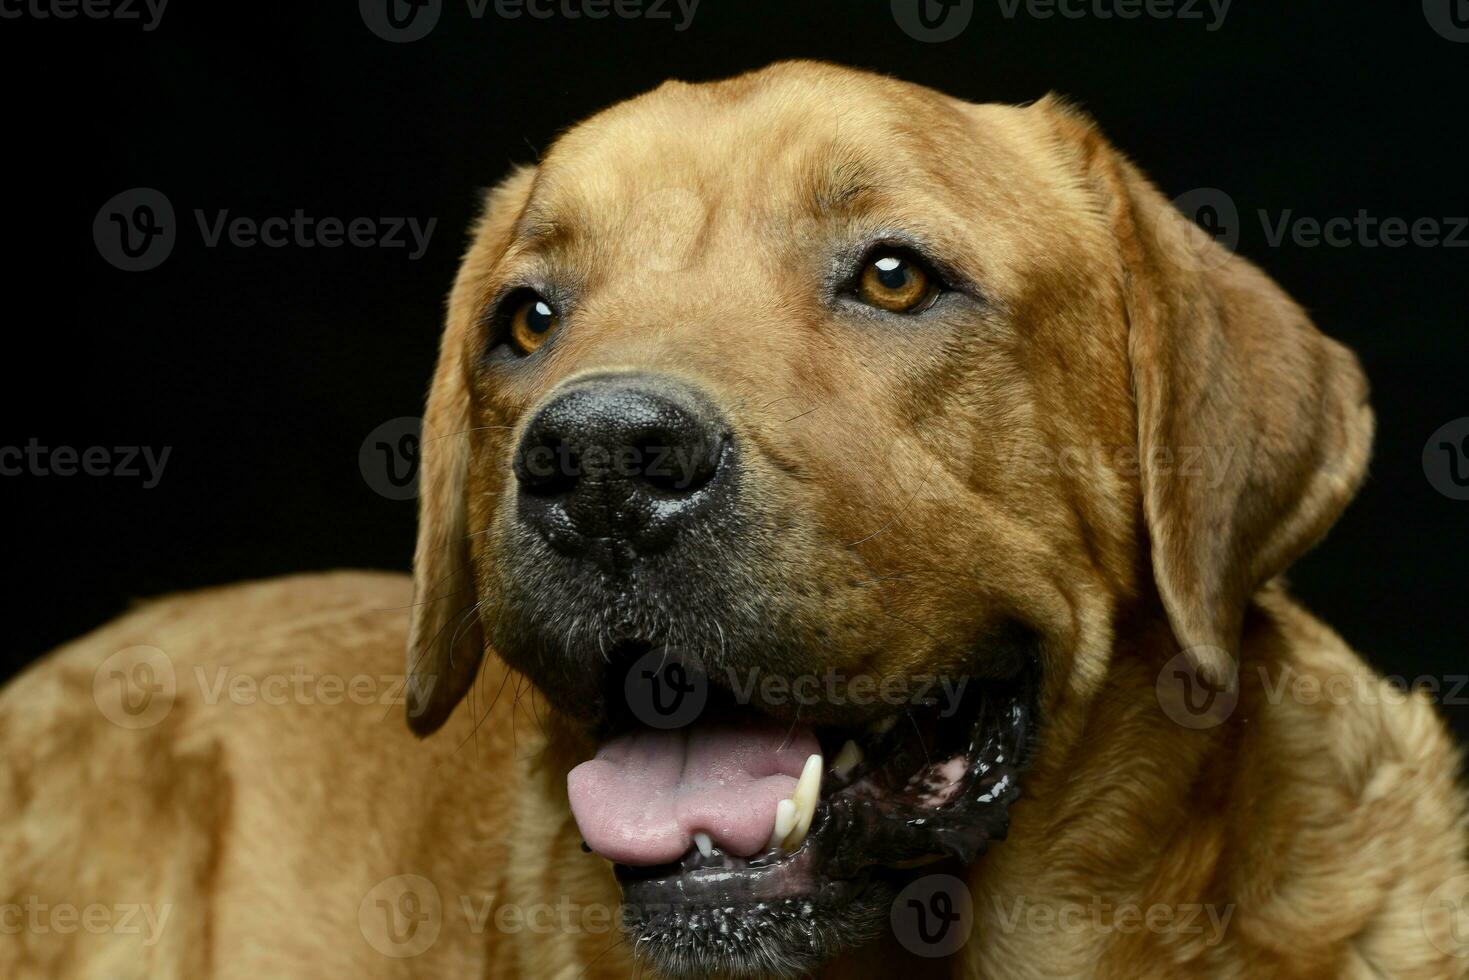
(698, 160)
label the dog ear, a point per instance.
(445, 642)
(1253, 427)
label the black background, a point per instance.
(264, 369)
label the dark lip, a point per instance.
(873, 822)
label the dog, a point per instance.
(939, 476)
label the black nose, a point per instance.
(616, 465)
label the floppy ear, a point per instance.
(1229, 373)
(445, 641)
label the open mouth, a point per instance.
(746, 845)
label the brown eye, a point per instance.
(531, 321)
(891, 281)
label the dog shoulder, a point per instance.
(155, 764)
(1364, 833)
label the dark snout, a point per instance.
(612, 468)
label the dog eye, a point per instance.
(531, 321)
(897, 282)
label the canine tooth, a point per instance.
(704, 844)
(808, 791)
(785, 820)
(847, 759)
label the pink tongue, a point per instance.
(643, 797)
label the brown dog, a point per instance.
(853, 413)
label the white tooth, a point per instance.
(808, 791)
(847, 759)
(785, 819)
(704, 844)
(883, 725)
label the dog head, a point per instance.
(820, 377)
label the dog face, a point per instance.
(814, 374)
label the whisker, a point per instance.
(919, 731)
(894, 519)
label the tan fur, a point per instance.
(1321, 826)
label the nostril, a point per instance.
(548, 467)
(677, 466)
